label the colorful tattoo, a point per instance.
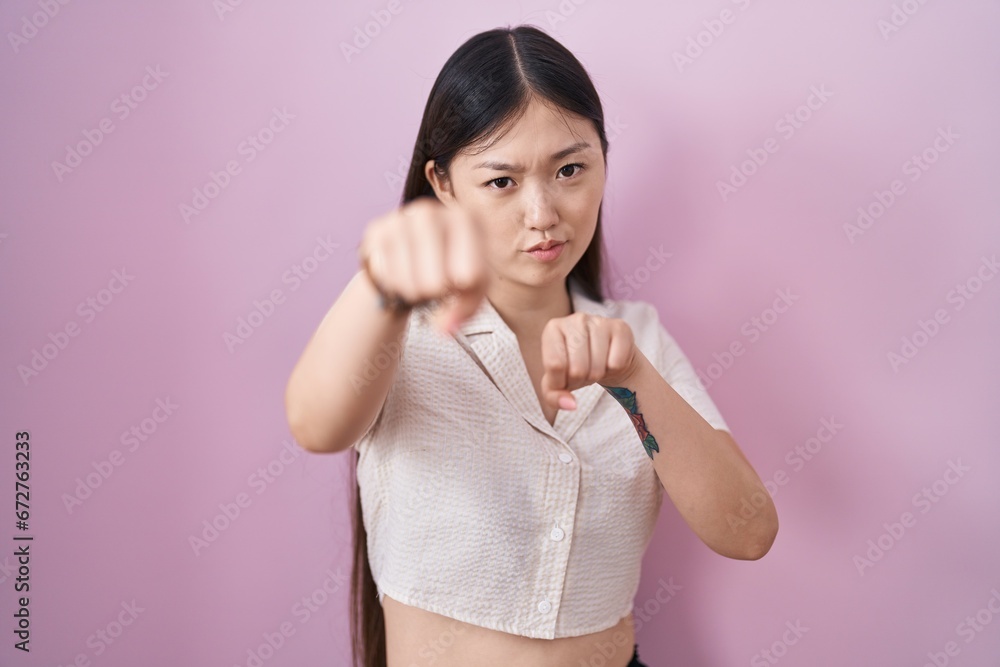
(627, 399)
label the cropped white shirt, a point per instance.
(478, 509)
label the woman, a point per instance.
(514, 430)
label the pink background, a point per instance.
(675, 133)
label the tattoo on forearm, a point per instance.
(628, 401)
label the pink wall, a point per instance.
(163, 95)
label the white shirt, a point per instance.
(478, 509)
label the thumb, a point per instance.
(454, 309)
(458, 308)
(567, 401)
(461, 305)
(562, 398)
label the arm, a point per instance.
(336, 388)
(708, 478)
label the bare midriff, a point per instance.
(419, 638)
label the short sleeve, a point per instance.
(676, 369)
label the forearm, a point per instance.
(706, 476)
(343, 376)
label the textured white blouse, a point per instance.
(478, 509)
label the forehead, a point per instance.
(541, 130)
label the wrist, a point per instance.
(626, 377)
(385, 302)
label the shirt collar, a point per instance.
(498, 354)
(487, 320)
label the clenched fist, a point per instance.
(580, 349)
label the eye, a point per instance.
(575, 164)
(503, 182)
(502, 178)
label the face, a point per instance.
(543, 180)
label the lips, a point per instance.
(547, 254)
(544, 245)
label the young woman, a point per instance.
(514, 431)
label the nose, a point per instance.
(540, 211)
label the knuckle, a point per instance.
(576, 340)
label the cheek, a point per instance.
(582, 205)
(499, 242)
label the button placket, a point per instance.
(561, 495)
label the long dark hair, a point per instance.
(485, 84)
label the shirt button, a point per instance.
(545, 606)
(557, 534)
(565, 457)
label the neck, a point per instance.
(527, 309)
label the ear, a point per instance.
(439, 182)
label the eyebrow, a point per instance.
(504, 166)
